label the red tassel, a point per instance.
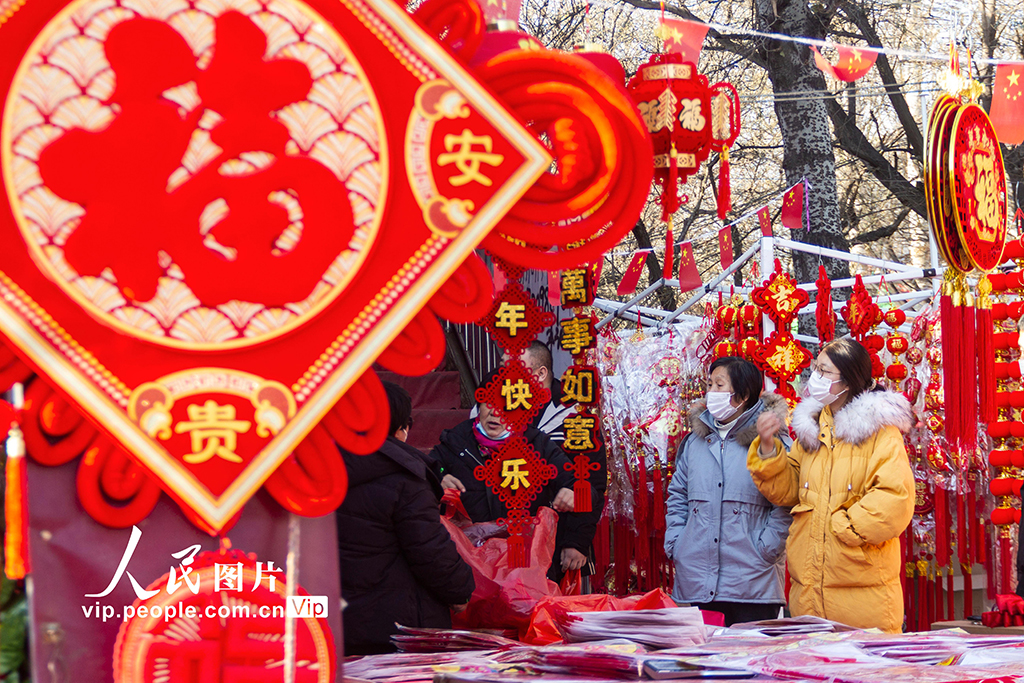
(724, 185)
(923, 594)
(968, 590)
(640, 516)
(986, 364)
(670, 254)
(16, 556)
(967, 362)
(972, 527)
(670, 196)
(941, 527)
(581, 496)
(931, 602)
(658, 511)
(1004, 564)
(517, 551)
(950, 597)
(951, 333)
(938, 603)
(962, 551)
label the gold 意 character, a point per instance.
(513, 475)
(578, 387)
(576, 335)
(516, 395)
(460, 153)
(214, 431)
(579, 433)
(511, 317)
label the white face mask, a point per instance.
(719, 405)
(819, 388)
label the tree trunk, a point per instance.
(806, 134)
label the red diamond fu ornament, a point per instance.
(782, 357)
(516, 473)
(515, 319)
(217, 219)
(514, 394)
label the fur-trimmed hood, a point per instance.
(748, 427)
(857, 421)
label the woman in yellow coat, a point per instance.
(849, 482)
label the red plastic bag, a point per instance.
(542, 629)
(572, 583)
(505, 598)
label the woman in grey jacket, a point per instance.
(726, 540)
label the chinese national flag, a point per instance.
(632, 275)
(689, 277)
(793, 207)
(554, 288)
(853, 63)
(1007, 104)
(684, 37)
(725, 246)
(765, 219)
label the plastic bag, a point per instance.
(571, 583)
(542, 629)
(505, 598)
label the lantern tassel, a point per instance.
(16, 556)
(951, 332)
(581, 496)
(968, 381)
(941, 525)
(670, 245)
(724, 185)
(986, 354)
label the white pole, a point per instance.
(767, 266)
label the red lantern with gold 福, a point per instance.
(676, 104)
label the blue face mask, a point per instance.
(501, 437)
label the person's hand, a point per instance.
(461, 607)
(450, 482)
(564, 501)
(572, 559)
(768, 425)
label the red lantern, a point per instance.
(750, 321)
(894, 318)
(725, 348)
(749, 347)
(896, 372)
(675, 102)
(726, 316)
(873, 343)
(915, 355)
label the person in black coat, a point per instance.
(398, 562)
(470, 444)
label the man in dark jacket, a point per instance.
(471, 443)
(398, 563)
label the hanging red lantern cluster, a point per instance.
(896, 344)
(687, 119)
